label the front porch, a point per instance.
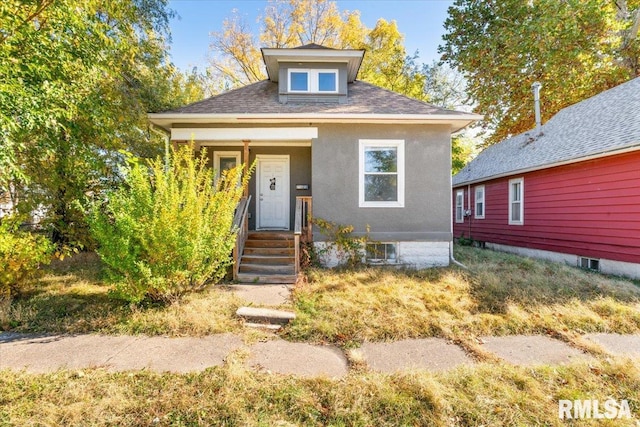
(273, 217)
(270, 256)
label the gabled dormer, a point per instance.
(312, 73)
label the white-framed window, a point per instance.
(460, 206)
(479, 202)
(313, 81)
(516, 201)
(381, 173)
(382, 253)
(225, 160)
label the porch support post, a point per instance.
(246, 164)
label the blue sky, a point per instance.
(421, 22)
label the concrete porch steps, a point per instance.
(268, 257)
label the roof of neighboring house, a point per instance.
(605, 123)
(260, 100)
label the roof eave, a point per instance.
(635, 146)
(457, 121)
(273, 56)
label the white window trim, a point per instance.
(460, 197)
(484, 204)
(399, 145)
(219, 154)
(313, 80)
(511, 201)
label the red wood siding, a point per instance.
(590, 209)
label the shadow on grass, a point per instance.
(72, 312)
(499, 279)
(69, 297)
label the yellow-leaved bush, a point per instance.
(21, 253)
(169, 229)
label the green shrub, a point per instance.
(348, 248)
(168, 230)
(21, 253)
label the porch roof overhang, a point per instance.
(457, 122)
(245, 134)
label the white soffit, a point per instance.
(241, 134)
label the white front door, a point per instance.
(272, 208)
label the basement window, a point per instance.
(382, 253)
(589, 263)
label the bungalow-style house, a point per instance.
(358, 154)
(568, 193)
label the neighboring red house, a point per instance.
(569, 194)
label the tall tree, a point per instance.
(446, 88)
(292, 23)
(77, 77)
(575, 48)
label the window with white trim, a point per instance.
(381, 173)
(516, 201)
(313, 81)
(382, 253)
(460, 206)
(225, 160)
(479, 202)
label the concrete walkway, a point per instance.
(47, 353)
(40, 353)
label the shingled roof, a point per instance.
(262, 98)
(605, 123)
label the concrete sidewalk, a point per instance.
(47, 353)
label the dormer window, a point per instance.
(313, 81)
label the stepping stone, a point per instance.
(271, 295)
(301, 359)
(265, 315)
(267, 326)
(623, 345)
(531, 350)
(433, 354)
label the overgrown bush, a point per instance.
(350, 250)
(168, 231)
(21, 253)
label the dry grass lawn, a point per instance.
(72, 298)
(488, 395)
(502, 294)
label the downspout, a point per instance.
(166, 136)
